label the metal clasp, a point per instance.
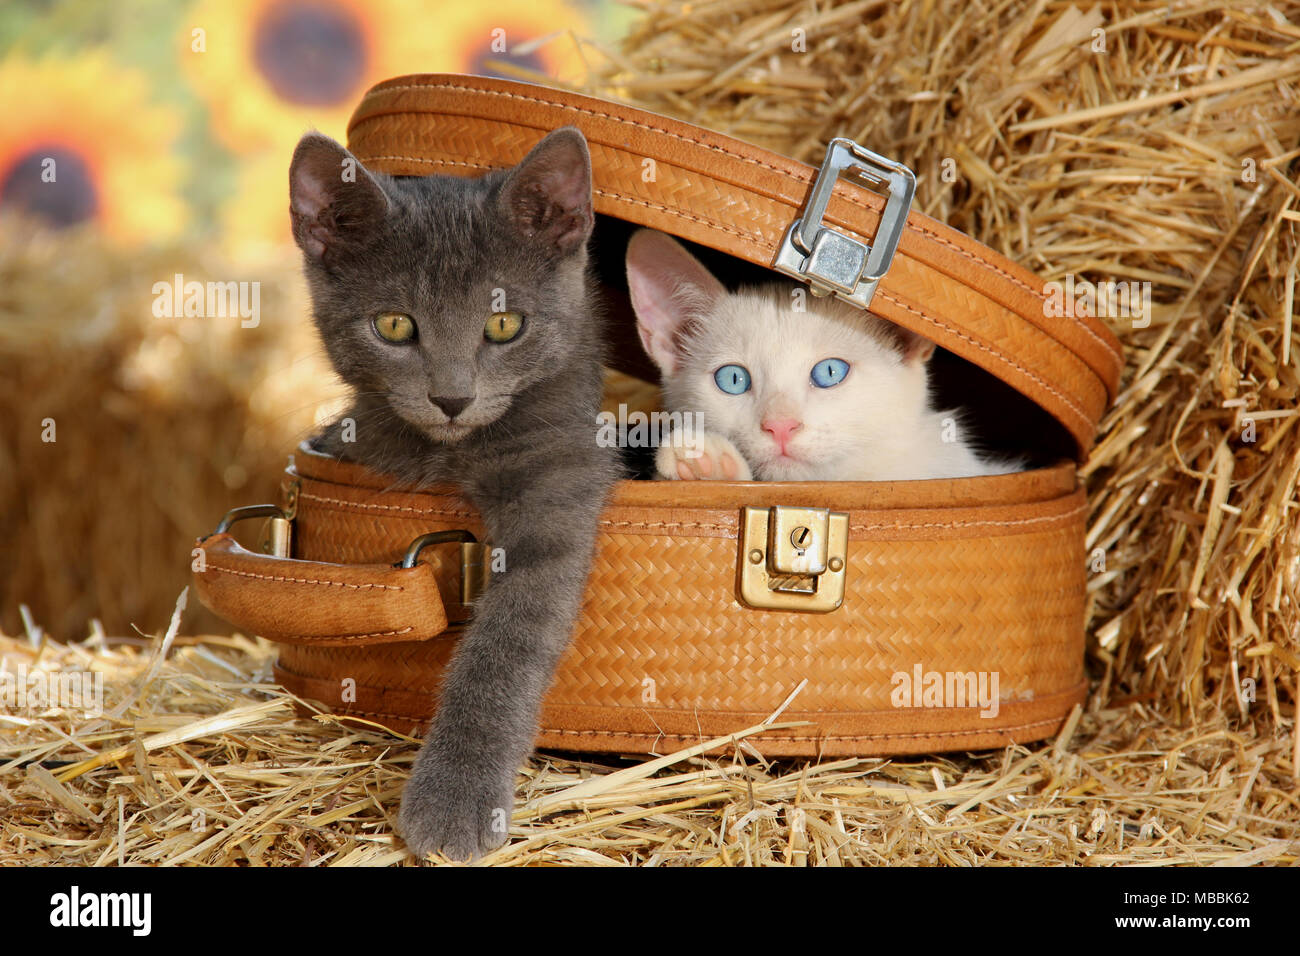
(793, 559)
(474, 561)
(277, 536)
(829, 261)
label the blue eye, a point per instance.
(829, 372)
(732, 379)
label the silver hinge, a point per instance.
(829, 261)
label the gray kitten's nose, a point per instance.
(451, 407)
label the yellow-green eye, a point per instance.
(394, 327)
(503, 326)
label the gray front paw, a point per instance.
(453, 811)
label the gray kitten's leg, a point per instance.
(461, 792)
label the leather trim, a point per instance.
(354, 481)
(312, 602)
(659, 730)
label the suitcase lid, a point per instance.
(760, 207)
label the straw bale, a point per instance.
(196, 760)
(160, 423)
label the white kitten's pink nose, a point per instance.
(781, 429)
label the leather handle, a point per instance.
(312, 602)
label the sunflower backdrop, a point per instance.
(162, 118)
(268, 69)
(82, 142)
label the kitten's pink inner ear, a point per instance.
(917, 350)
(669, 288)
(655, 321)
(308, 199)
(329, 192)
(548, 195)
(308, 196)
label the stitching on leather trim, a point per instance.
(577, 109)
(376, 713)
(288, 580)
(1064, 516)
(710, 526)
(374, 507)
(984, 348)
(884, 525)
(720, 226)
(356, 637)
(1037, 294)
(464, 514)
(713, 223)
(698, 525)
(428, 162)
(683, 737)
(1111, 358)
(911, 736)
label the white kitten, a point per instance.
(831, 393)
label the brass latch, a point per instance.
(277, 533)
(793, 559)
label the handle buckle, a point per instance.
(475, 569)
(829, 261)
(277, 537)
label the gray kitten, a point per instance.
(459, 312)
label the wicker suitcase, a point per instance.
(944, 615)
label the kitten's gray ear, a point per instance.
(333, 200)
(547, 197)
(670, 290)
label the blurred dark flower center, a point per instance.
(68, 199)
(313, 54)
(484, 57)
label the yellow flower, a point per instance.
(256, 217)
(533, 34)
(81, 142)
(271, 69)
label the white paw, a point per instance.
(700, 455)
